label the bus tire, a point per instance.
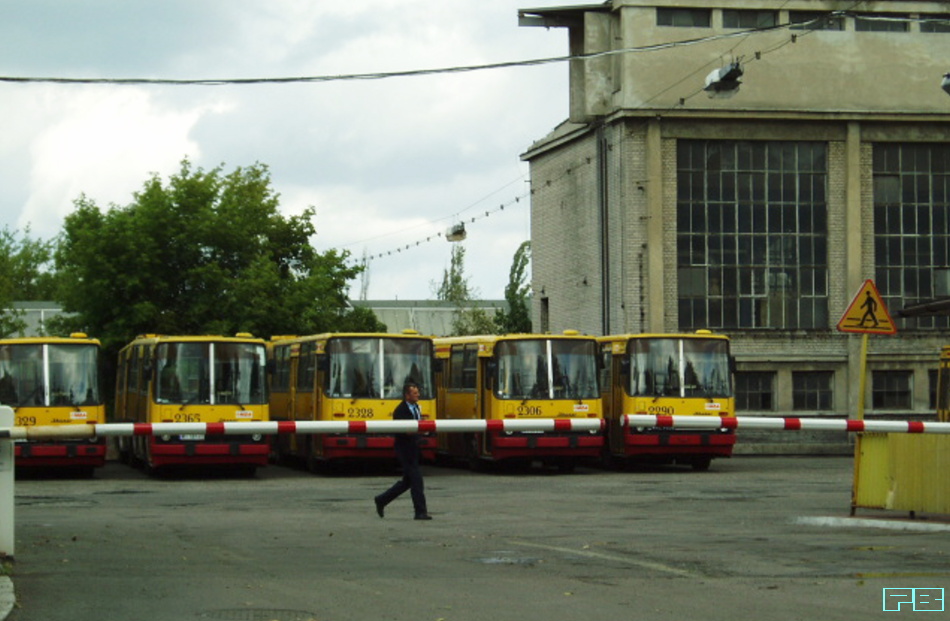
(702, 464)
(475, 461)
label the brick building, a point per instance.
(657, 207)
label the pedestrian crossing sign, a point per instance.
(867, 313)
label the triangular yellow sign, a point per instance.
(867, 313)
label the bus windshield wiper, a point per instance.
(189, 401)
(26, 399)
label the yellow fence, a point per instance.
(903, 472)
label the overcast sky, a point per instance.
(386, 163)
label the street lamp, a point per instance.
(724, 82)
(456, 232)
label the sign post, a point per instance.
(866, 315)
(6, 483)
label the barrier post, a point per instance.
(6, 483)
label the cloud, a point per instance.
(103, 143)
(385, 162)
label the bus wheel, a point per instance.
(475, 462)
(701, 465)
(314, 465)
(125, 452)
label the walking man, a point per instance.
(408, 453)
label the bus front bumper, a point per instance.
(675, 443)
(60, 454)
(515, 445)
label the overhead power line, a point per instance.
(387, 74)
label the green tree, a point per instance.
(468, 319)
(517, 318)
(24, 275)
(204, 253)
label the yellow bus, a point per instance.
(347, 377)
(667, 375)
(519, 376)
(193, 379)
(51, 381)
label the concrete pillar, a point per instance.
(655, 276)
(854, 264)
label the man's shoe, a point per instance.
(423, 516)
(379, 506)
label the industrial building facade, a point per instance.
(664, 205)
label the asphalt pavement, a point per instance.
(754, 537)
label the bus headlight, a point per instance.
(257, 437)
(166, 438)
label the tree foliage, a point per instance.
(204, 253)
(517, 318)
(468, 319)
(24, 275)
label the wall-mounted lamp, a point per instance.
(945, 85)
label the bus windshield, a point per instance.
(237, 375)
(49, 375)
(546, 369)
(669, 367)
(378, 368)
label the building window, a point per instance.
(545, 315)
(912, 226)
(891, 390)
(933, 380)
(881, 22)
(812, 390)
(686, 18)
(748, 18)
(755, 391)
(935, 23)
(815, 20)
(463, 367)
(752, 230)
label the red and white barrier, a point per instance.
(303, 427)
(784, 424)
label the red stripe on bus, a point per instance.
(915, 426)
(793, 424)
(214, 429)
(357, 426)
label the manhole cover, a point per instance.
(258, 614)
